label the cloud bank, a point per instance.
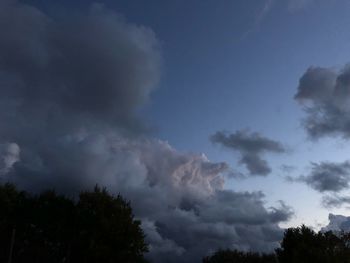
(70, 92)
(251, 146)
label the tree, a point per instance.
(103, 220)
(303, 245)
(98, 227)
(234, 256)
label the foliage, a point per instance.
(97, 227)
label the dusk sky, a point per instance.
(216, 119)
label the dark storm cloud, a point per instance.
(325, 94)
(91, 67)
(70, 90)
(328, 177)
(251, 147)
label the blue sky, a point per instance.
(73, 74)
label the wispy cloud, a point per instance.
(258, 18)
(291, 5)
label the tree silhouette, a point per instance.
(98, 227)
(234, 256)
(104, 220)
(302, 245)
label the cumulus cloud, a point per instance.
(251, 146)
(180, 197)
(337, 223)
(325, 95)
(227, 220)
(328, 176)
(70, 92)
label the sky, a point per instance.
(220, 120)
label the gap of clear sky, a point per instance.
(231, 65)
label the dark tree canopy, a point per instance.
(303, 245)
(98, 227)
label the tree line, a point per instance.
(299, 245)
(98, 227)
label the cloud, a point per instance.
(335, 201)
(70, 91)
(251, 146)
(9, 155)
(337, 223)
(328, 176)
(78, 70)
(325, 95)
(227, 220)
(259, 18)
